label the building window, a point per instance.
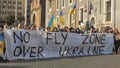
(8, 7)
(13, 7)
(4, 1)
(49, 6)
(93, 21)
(10, 13)
(20, 3)
(28, 17)
(34, 19)
(14, 2)
(70, 1)
(19, 13)
(63, 3)
(108, 11)
(4, 6)
(57, 4)
(81, 15)
(70, 19)
(19, 7)
(2, 12)
(9, 2)
(57, 18)
(13, 12)
(5, 12)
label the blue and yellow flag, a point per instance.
(1, 43)
(72, 11)
(62, 21)
(52, 22)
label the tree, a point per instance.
(2, 20)
(21, 18)
(10, 19)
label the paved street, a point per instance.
(105, 61)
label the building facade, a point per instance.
(38, 13)
(99, 13)
(9, 7)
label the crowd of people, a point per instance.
(79, 30)
(84, 30)
(114, 31)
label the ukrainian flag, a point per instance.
(62, 21)
(1, 43)
(72, 11)
(52, 22)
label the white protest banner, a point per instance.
(27, 44)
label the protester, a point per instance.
(116, 40)
(32, 27)
(66, 29)
(59, 28)
(110, 30)
(82, 31)
(19, 26)
(96, 30)
(71, 29)
(55, 29)
(6, 26)
(77, 31)
(1, 42)
(48, 29)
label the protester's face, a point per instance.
(66, 28)
(5, 26)
(55, 29)
(32, 27)
(115, 31)
(103, 30)
(48, 29)
(19, 26)
(91, 29)
(58, 26)
(1, 29)
(111, 31)
(77, 30)
(72, 30)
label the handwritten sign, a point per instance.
(25, 44)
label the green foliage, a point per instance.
(11, 19)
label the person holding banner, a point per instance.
(78, 31)
(1, 42)
(66, 29)
(48, 29)
(72, 30)
(116, 40)
(55, 29)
